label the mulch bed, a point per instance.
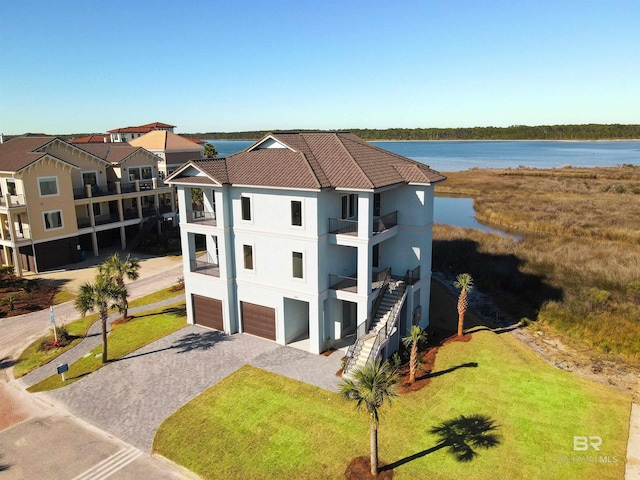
(19, 296)
(426, 361)
(360, 469)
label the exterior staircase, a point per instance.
(383, 325)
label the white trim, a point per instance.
(44, 221)
(89, 171)
(253, 257)
(51, 177)
(267, 138)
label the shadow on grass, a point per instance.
(462, 436)
(7, 362)
(189, 342)
(521, 294)
(174, 311)
(452, 369)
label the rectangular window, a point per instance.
(376, 204)
(11, 187)
(296, 213)
(375, 254)
(134, 174)
(297, 264)
(246, 208)
(96, 209)
(89, 178)
(147, 173)
(48, 186)
(52, 220)
(248, 256)
(349, 205)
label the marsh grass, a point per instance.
(578, 265)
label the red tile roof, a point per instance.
(158, 125)
(98, 138)
(315, 160)
(142, 129)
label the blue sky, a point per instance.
(88, 66)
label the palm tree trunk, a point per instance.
(103, 317)
(413, 362)
(460, 323)
(374, 447)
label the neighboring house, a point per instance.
(172, 150)
(127, 134)
(95, 138)
(295, 238)
(60, 200)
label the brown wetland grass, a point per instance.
(577, 267)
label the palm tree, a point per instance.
(371, 387)
(464, 282)
(117, 269)
(416, 335)
(104, 293)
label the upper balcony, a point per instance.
(91, 191)
(350, 227)
(9, 201)
(202, 217)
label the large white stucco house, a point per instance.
(296, 236)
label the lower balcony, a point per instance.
(205, 268)
(350, 227)
(350, 283)
(201, 216)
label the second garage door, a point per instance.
(207, 312)
(258, 320)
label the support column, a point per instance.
(94, 243)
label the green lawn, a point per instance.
(255, 424)
(34, 356)
(123, 339)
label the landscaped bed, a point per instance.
(256, 424)
(124, 338)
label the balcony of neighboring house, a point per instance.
(349, 226)
(94, 191)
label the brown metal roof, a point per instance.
(111, 152)
(315, 161)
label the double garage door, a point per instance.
(256, 319)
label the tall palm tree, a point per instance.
(416, 335)
(100, 295)
(371, 387)
(118, 269)
(464, 282)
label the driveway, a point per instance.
(130, 398)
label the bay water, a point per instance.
(451, 156)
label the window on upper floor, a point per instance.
(90, 178)
(247, 251)
(349, 206)
(296, 213)
(245, 203)
(11, 187)
(140, 173)
(375, 256)
(297, 266)
(376, 204)
(52, 219)
(48, 186)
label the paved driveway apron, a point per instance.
(131, 397)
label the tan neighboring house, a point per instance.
(59, 201)
(127, 134)
(172, 150)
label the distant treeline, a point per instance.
(514, 132)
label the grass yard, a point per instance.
(40, 353)
(123, 339)
(256, 424)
